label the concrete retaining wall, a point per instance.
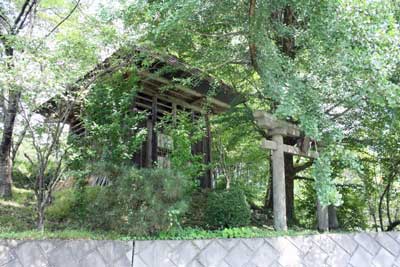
(362, 249)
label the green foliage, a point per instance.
(332, 68)
(138, 202)
(227, 209)
(184, 133)
(326, 190)
(235, 232)
(195, 216)
(71, 207)
(65, 234)
(152, 199)
(182, 234)
(318, 64)
(112, 127)
(305, 205)
(237, 154)
(352, 214)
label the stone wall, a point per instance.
(361, 249)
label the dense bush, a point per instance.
(151, 200)
(227, 209)
(196, 214)
(138, 202)
(74, 207)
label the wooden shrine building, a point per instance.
(162, 93)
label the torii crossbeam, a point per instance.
(277, 129)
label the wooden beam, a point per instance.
(183, 88)
(172, 99)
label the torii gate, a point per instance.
(277, 129)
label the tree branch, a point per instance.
(2, 17)
(63, 20)
(303, 167)
(252, 44)
(218, 35)
(22, 22)
(308, 179)
(21, 13)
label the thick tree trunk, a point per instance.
(269, 200)
(332, 216)
(289, 183)
(323, 217)
(6, 143)
(5, 175)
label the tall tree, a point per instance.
(41, 50)
(313, 63)
(11, 28)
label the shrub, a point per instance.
(74, 207)
(138, 202)
(152, 200)
(227, 209)
(196, 213)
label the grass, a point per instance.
(63, 234)
(17, 213)
(184, 234)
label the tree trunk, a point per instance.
(332, 216)
(269, 200)
(323, 217)
(289, 183)
(40, 222)
(6, 144)
(380, 208)
(40, 200)
(393, 225)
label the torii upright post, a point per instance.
(277, 129)
(278, 182)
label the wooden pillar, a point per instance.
(208, 179)
(278, 176)
(174, 114)
(323, 217)
(154, 145)
(149, 148)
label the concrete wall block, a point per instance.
(357, 250)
